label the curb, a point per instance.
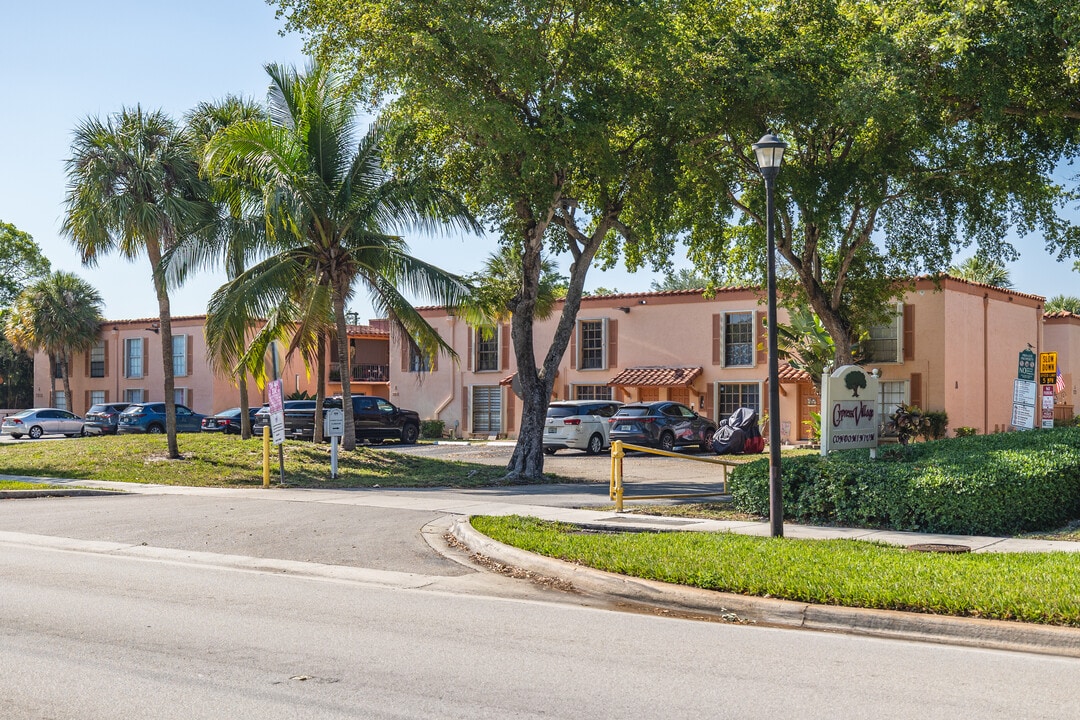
(970, 632)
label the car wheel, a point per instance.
(706, 440)
(155, 429)
(596, 444)
(35, 432)
(409, 433)
(549, 450)
(16, 435)
(82, 432)
(667, 441)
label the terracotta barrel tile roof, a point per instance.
(656, 376)
(787, 374)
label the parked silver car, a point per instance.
(42, 421)
(579, 424)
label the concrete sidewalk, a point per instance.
(503, 501)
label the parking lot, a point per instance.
(637, 467)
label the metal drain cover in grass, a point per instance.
(939, 548)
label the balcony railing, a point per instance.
(363, 372)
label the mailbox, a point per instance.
(334, 422)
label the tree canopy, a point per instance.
(21, 262)
(978, 269)
(613, 130)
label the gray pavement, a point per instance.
(321, 519)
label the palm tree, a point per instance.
(134, 188)
(977, 269)
(332, 216)
(59, 315)
(1067, 303)
(240, 227)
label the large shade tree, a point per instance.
(915, 129)
(334, 217)
(21, 263)
(551, 118)
(134, 189)
(59, 315)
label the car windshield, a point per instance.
(132, 410)
(232, 412)
(633, 411)
(23, 413)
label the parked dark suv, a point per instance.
(298, 414)
(376, 419)
(101, 418)
(664, 425)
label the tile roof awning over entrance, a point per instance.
(656, 377)
(787, 374)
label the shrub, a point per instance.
(937, 425)
(965, 431)
(431, 429)
(999, 484)
(907, 422)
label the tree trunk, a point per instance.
(320, 390)
(153, 250)
(64, 365)
(527, 461)
(52, 379)
(245, 416)
(348, 442)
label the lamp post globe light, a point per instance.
(770, 153)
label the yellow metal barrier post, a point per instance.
(266, 456)
(617, 455)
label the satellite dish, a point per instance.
(515, 385)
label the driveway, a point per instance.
(638, 468)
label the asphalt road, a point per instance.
(106, 631)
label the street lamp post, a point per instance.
(770, 153)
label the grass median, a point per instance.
(1032, 587)
(228, 461)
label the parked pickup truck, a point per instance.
(376, 420)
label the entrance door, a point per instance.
(809, 402)
(487, 409)
(680, 395)
(649, 394)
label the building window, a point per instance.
(738, 339)
(890, 394)
(58, 367)
(97, 397)
(486, 409)
(179, 356)
(133, 395)
(133, 357)
(182, 396)
(592, 392)
(60, 400)
(418, 360)
(883, 344)
(592, 345)
(97, 360)
(487, 349)
(732, 396)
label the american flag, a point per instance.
(1059, 386)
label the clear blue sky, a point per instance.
(66, 60)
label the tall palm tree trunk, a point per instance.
(320, 390)
(245, 416)
(153, 250)
(69, 402)
(344, 370)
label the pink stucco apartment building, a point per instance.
(951, 346)
(125, 366)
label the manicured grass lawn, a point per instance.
(1033, 587)
(16, 485)
(227, 461)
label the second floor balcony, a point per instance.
(362, 372)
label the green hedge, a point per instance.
(999, 484)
